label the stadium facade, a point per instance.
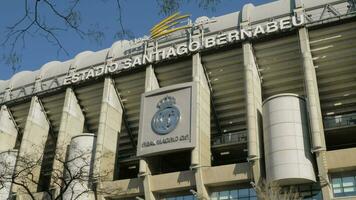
(267, 94)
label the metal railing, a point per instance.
(228, 138)
(340, 121)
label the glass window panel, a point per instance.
(252, 192)
(348, 181)
(336, 182)
(224, 195)
(349, 189)
(253, 198)
(243, 192)
(337, 190)
(214, 196)
(233, 194)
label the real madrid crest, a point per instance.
(167, 117)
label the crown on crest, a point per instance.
(167, 101)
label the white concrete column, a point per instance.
(8, 130)
(253, 99)
(72, 123)
(7, 168)
(201, 154)
(253, 109)
(151, 83)
(78, 171)
(108, 130)
(314, 112)
(32, 145)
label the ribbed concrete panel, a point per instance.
(286, 138)
(89, 98)
(280, 63)
(130, 88)
(53, 106)
(334, 54)
(19, 113)
(174, 73)
(225, 71)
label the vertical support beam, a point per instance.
(108, 130)
(253, 94)
(72, 123)
(32, 145)
(201, 154)
(253, 110)
(151, 83)
(8, 130)
(314, 111)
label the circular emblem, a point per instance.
(167, 117)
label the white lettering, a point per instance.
(258, 30)
(272, 27)
(194, 46)
(99, 71)
(160, 54)
(67, 80)
(245, 33)
(233, 36)
(296, 23)
(127, 63)
(147, 58)
(171, 52)
(137, 61)
(209, 42)
(284, 23)
(221, 39)
(90, 74)
(113, 67)
(75, 78)
(182, 49)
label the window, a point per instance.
(310, 192)
(183, 197)
(235, 194)
(344, 184)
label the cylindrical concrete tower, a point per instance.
(80, 163)
(7, 168)
(286, 139)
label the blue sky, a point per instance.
(138, 16)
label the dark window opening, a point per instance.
(47, 162)
(127, 169)
(230, 154)
(171, 162)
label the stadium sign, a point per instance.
(192, 45)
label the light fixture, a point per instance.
(224, 153)
(330, 113)
(132, 167)
(338, 104)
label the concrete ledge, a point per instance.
(341, 160)
(123, 188)
(173, 181)
(227, 174)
